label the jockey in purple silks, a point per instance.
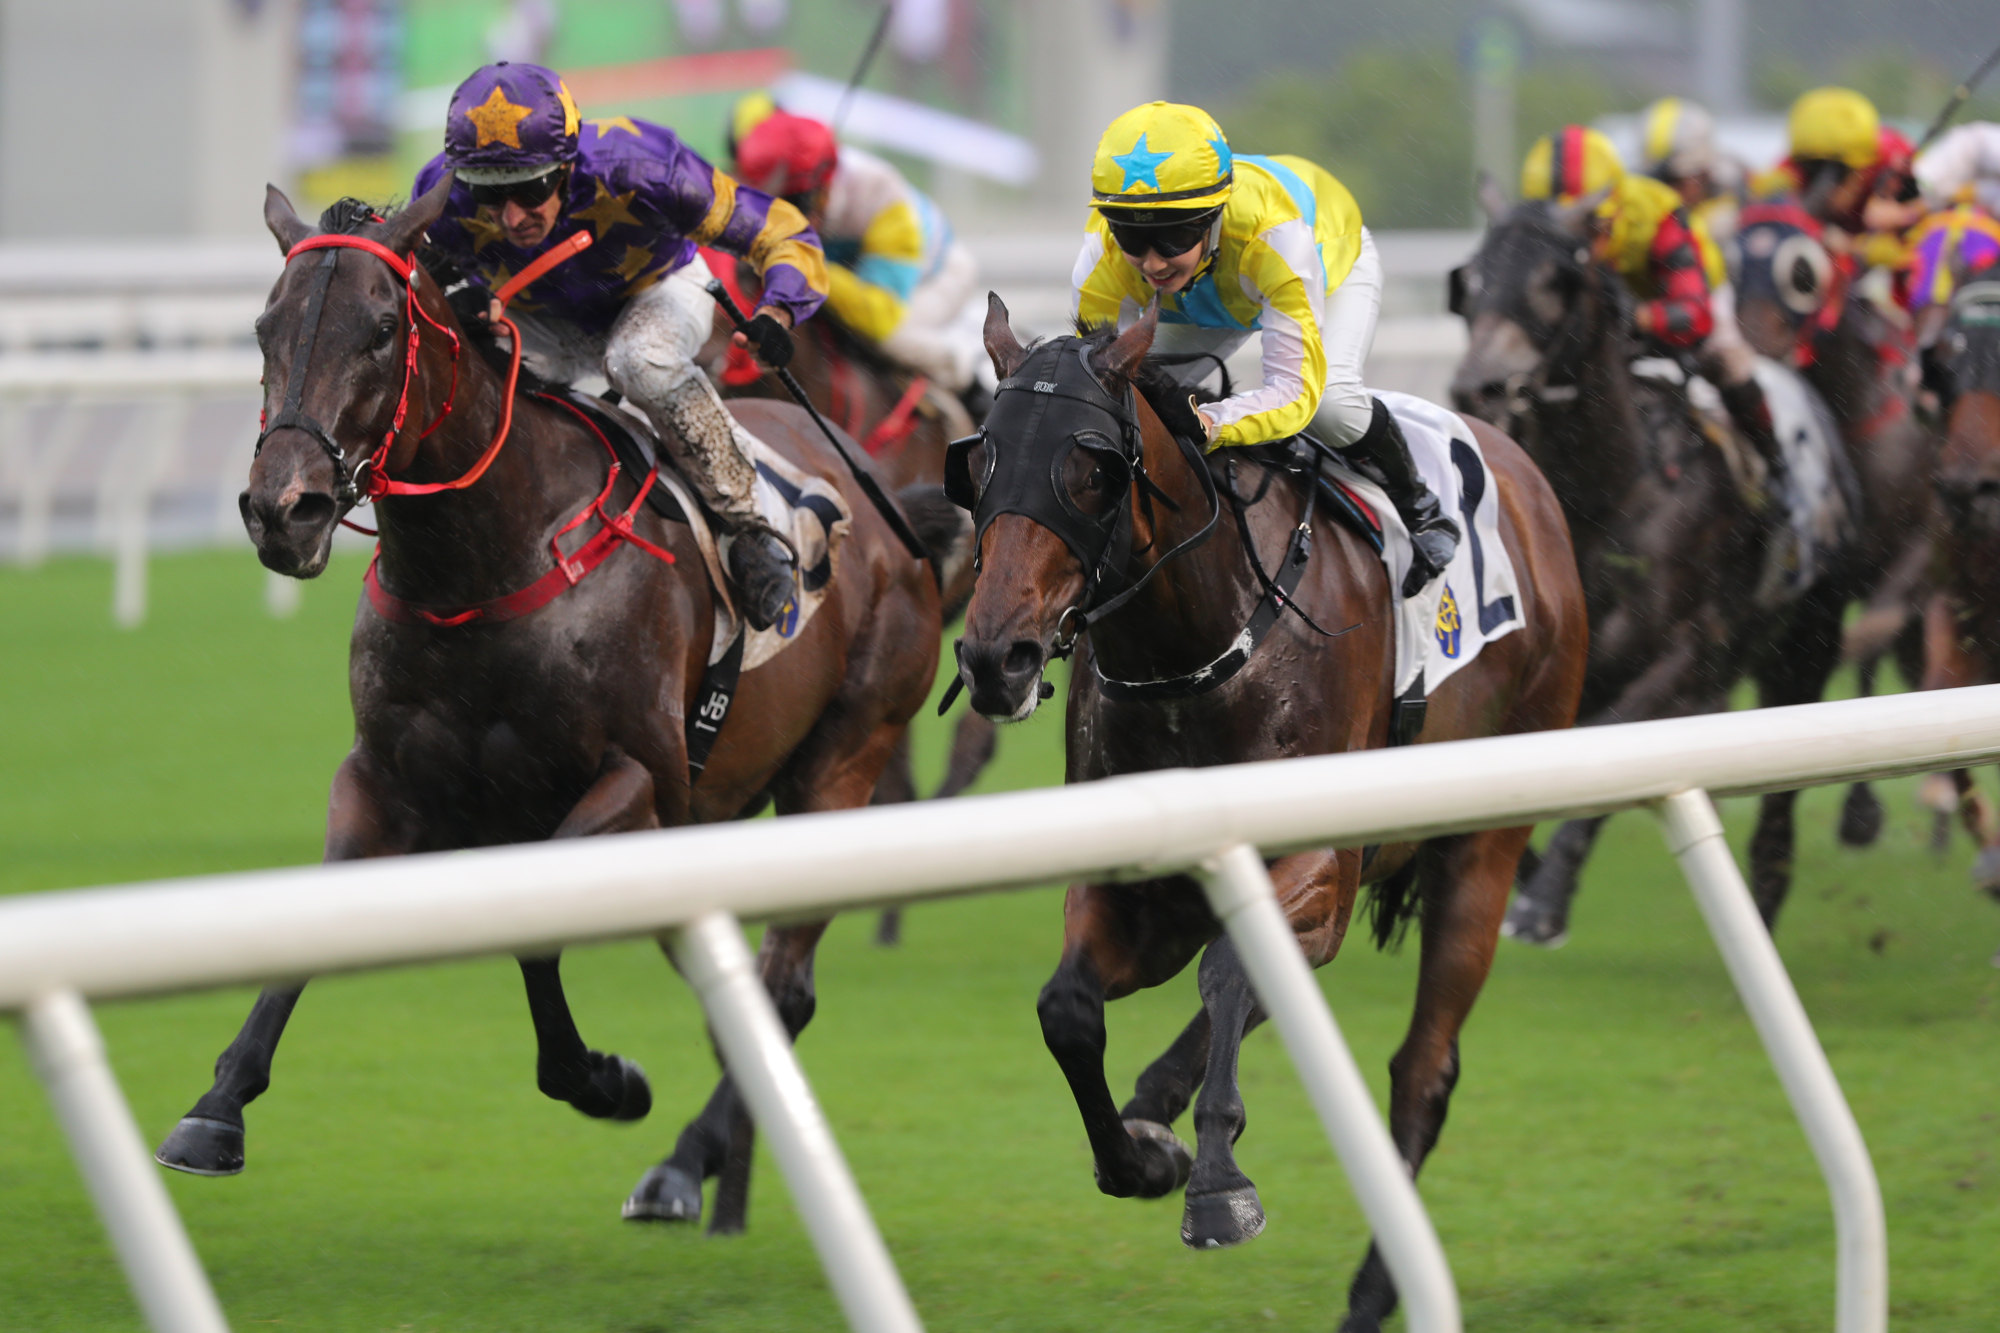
(528, 174)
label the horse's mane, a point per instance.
(1167, 396)
(349, 215)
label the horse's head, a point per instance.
(1785, 277)
(336, 341)
(1968, 472)
(1532, 299)
(1050, 482)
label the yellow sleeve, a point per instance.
(869, 310)
(1294, 358)
(1102, 281)
(779, 242)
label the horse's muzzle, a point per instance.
(293, 535)
(1004, 679)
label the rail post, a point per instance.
(160, 1262)
(711, 953)
(1694, 833)
(1239, 889)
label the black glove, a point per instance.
(771, 340)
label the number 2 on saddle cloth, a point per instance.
(845, 402)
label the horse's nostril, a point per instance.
(1024, 658)
(312, 511)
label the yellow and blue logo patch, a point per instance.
(1447, 624)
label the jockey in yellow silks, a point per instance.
(1235, 246)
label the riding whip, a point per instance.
(1959, 97)
(861, 69)
(863, 477)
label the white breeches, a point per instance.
(934, 338)
(1725, 349)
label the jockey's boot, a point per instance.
(1744, 401)
(713, 454)
(1433, 537)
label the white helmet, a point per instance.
(1678, 140)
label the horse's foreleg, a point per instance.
(208, 1141)
(601, 1085)
(1222, 1207)
(1795, 674)
(1540, 912)
(1861, 813)
(1464, 886)
(1167, 1085)
(972, 746)
(896, 786)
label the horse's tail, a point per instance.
(1392, 905)
(946, 532)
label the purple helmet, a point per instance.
(510, 122)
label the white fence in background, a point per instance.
(128, 382)
(693, 886)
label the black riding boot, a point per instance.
(1746, 407)
(761, 566)
(1433, 537)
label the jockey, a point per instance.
(1851, 172)
(1963, 166)
(1231, 246)
(1641, 228)
(529, 173)
(1677, 146)
(899, 278)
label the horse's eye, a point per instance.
(385, 333)
(1091, 485)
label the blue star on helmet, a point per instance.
(1225, 162)
(1140, 167)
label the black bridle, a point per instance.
(291, 415)
(1564, 343)
(1049, 407)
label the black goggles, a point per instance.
(1165, 239)
(530, 193)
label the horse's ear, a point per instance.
(1001, 344)
(1119, 362)
(1492, 199)
(1575, 216)
(408, 227)
(283, 220)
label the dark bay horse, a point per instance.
(1796, 306)
(569, 720)
(1298, 693)
(1669, 545)
(905, 433)
(1962, 615)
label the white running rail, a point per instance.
(696, 884)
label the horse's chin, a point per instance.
(294, 559)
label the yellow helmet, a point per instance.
(1836, 124)
(1162, 155)
(1572, 162)
(746, 114)
(1678, 139)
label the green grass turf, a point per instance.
(1619, 1155)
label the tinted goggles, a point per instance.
(532, 193)
(1167, 240)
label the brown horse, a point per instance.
(569, 720)
(1119, 466)
(1669, 545)
(1962, 617)
(905, 433)
(1796, 308)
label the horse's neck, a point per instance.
(1194, 606)
(1849, 373)
(468, 545)
(1592, 448)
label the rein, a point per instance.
(369, 479)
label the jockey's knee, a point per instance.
(1345, 411)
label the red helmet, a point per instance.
(787, 155)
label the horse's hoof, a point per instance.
(616, 1089)
(1216, 1221)
(1860, 818)
(1531, 925)
(665, 1194)
(1165, 1161)
(1986, 871)
(203, 1147)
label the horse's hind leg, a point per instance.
(1540, 912)
(1861, 813)
(1168, 1084)
(896, 786)
(1222, 1207)
(208, 1141)
(1795, 673)
(972, 746)
(1464, 886)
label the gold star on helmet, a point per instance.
(483, 230)
(634, 263)
(607, 210)
(610, 123)
(498, 120)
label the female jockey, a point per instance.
(1641, 228)
(898, 277)
(1232, 246)
(528, 175)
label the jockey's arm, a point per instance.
(1681, 315)
(871, 296)
(774, 236)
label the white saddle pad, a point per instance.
(1478, 599)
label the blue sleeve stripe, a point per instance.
(1302, 196)
(897, 275)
